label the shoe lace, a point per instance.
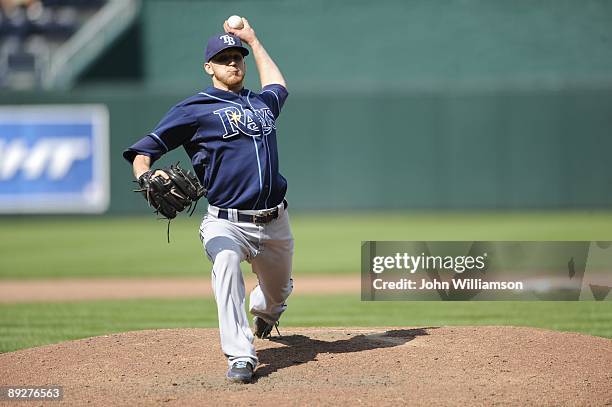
(240, 364)
(276, 324)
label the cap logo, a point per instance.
(228, 40)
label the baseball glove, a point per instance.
(172, 191)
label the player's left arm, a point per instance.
(268, 71)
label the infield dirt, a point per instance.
(327, 366)
(86, 289)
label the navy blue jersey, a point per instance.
(231, 140)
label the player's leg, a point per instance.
(273, 266)
(226, 247)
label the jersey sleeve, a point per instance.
(274, 97)
(174, 129)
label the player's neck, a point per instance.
(222, 86)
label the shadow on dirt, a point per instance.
(302, 349)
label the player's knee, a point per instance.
(227, 258)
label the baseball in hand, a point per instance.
(235, 22)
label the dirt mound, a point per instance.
(371, 366)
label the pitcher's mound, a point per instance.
(371, 366)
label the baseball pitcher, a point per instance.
(229, 133)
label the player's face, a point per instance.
(227, 67)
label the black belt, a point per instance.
(267, 215)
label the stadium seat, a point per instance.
(29, 34)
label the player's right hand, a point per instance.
(246, 33)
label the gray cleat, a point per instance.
(240, 372)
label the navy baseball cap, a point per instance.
(223, 41)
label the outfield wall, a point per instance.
(408, 104)
(489, 150)
(429, 43)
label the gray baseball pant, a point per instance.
(269, 249)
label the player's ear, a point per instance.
(208, 69)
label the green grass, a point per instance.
(49, 247)
(27, 325)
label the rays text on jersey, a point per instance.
(252, 123)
